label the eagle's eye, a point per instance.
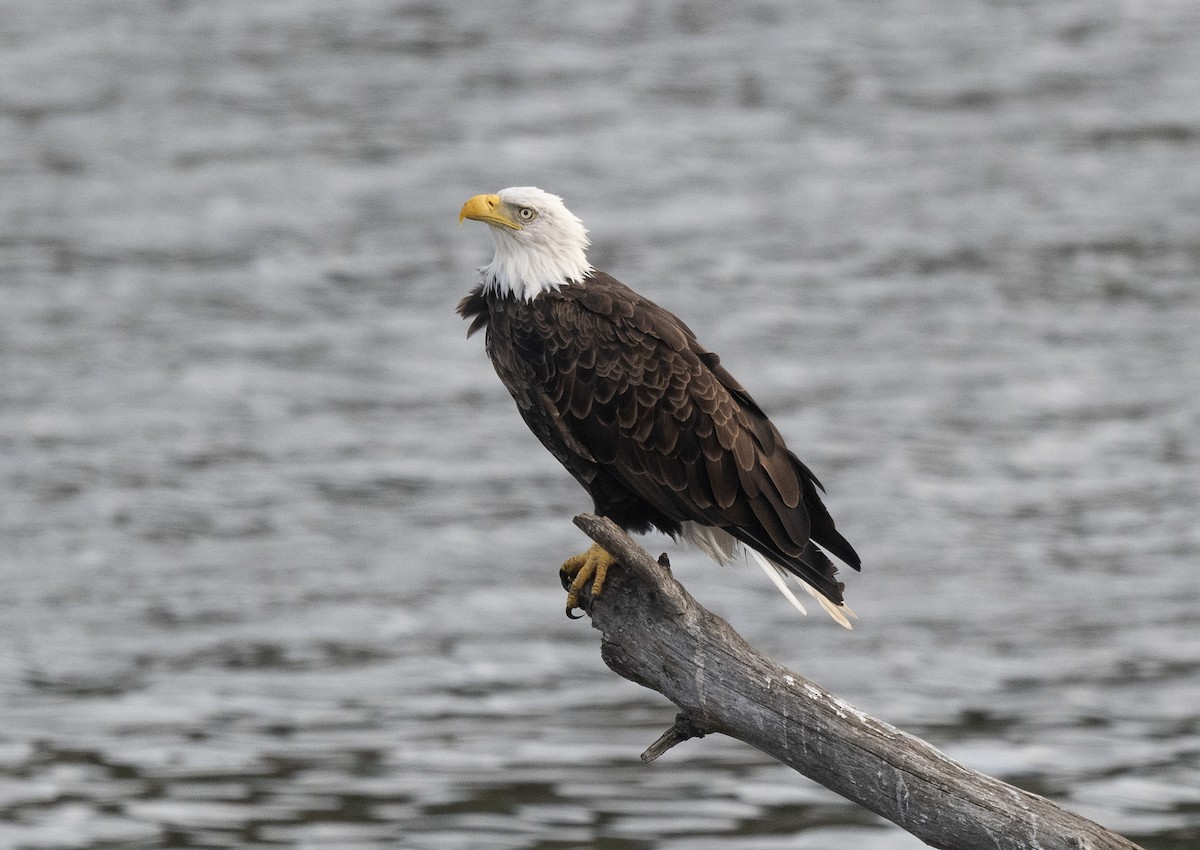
(526, 213)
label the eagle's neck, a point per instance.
(524, 268)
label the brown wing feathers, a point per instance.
(663, 417)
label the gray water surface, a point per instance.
(278, 557)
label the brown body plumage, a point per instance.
(652, 425)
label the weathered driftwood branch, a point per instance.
(654, 633)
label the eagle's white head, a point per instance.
(539, 244)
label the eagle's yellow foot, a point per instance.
(592, 566)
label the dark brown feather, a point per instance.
(652, 425)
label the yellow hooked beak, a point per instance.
(489, 209)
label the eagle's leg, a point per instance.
(592, 566)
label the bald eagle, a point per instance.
(642, 415)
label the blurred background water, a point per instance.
(278, 558)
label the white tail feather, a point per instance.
(721, 546)
(777, 574)
(838, 612)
